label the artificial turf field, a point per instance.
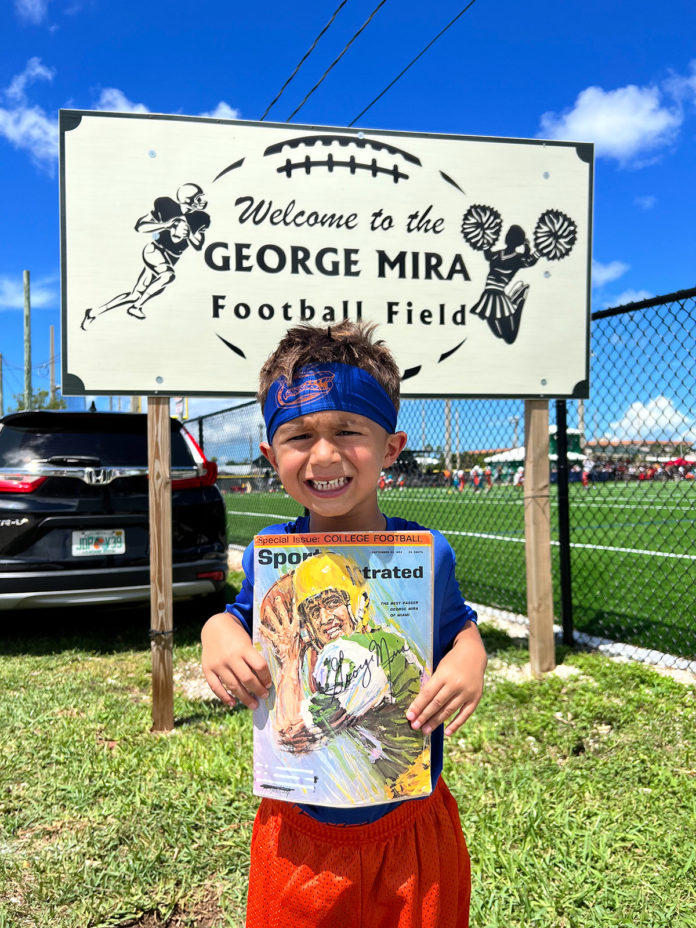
(633, 550)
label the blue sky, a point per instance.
(621, 75)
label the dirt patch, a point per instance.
(191, 683)
(519, 630)
(205, 913)
(234, 557)
(521, 673)
(681, 676)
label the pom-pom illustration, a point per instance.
(481, 226)
(554, 235)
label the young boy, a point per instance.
(330, 400)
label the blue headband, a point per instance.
(325, 387)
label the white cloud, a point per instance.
(203, 406)
(628, 124)
(34, 71)
(604, 273)
(43, 293)
(629, 296)
(113, 100)
(656, 420)
(30, 128)
(231, 427)
(646, 202)
(683, 88)
(32, 11)
(223, 111)
(25, 126)
(232, 436)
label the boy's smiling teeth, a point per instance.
(335, 484)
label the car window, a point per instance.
(19, 446)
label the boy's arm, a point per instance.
(455, 687)
(232, 666)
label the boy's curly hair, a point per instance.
(344, 343)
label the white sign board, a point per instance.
(190, 245)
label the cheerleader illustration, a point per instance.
(554, 237)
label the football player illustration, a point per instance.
(343, 681)
(554, 237)
(173, 225)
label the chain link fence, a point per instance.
(633, 522)
(631, 465)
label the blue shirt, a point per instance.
(450, 615)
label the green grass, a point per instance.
(581, 798)
(577, 794)
(102, 820)
(625, 586)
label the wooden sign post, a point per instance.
(161, 614)
(537, 526)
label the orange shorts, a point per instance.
(410, 869)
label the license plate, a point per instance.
(110, 541)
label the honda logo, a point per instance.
(98, 476)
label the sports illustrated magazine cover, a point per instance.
(345, 624)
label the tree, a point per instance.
(39, 399)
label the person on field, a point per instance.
(476, 474)
(330, 401)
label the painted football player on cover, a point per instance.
(343, 682)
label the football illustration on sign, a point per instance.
(173, 225)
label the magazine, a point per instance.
(345, 624)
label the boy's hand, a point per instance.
(232, 666)
(455, 687)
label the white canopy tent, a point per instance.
(515, 455)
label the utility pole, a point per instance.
(2, 407)
(52, 366)
(27, 342)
